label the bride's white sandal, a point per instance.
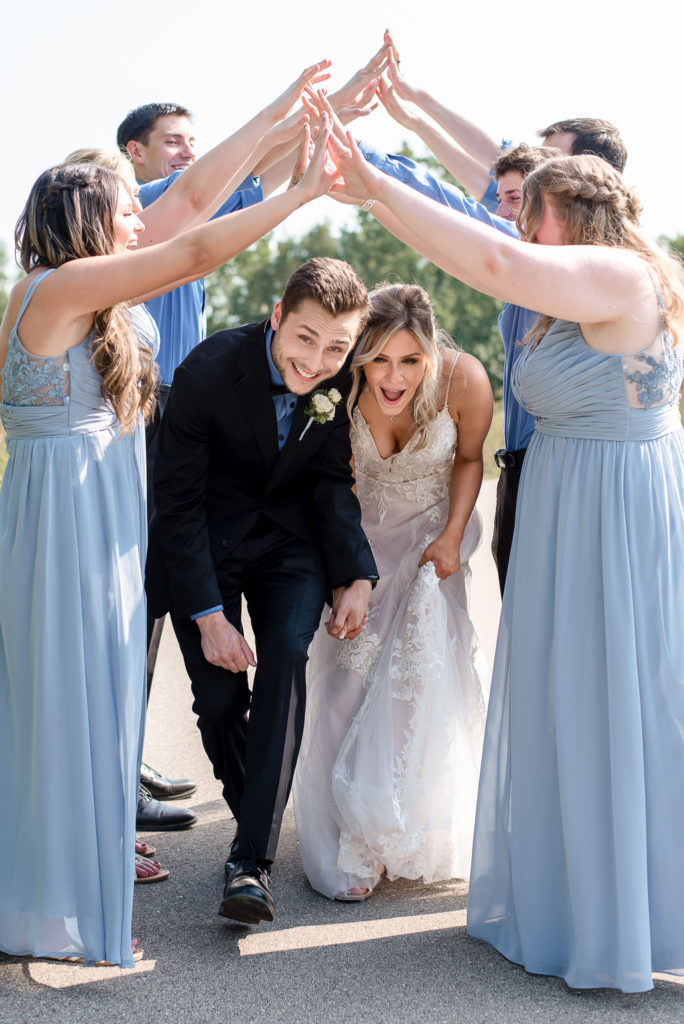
(358, 893)
(355, 895)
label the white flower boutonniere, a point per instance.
(321, 408)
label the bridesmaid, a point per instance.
(577, 855)
(75, 386)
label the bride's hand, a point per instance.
(444, 555)
(349, 611)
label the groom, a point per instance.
(253, 491)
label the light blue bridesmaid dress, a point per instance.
(72, 658)
(579, 838)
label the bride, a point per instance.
(388, 770)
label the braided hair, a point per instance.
(596, 207)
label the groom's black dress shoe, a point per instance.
(154, 816)
(161, 788)
(247, 894)
(233, 858)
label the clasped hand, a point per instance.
(349, 610)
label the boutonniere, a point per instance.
(321, 408)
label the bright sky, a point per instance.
(69, 72)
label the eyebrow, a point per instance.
(408, 355)
(316, 334)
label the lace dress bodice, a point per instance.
(576, 391)
(418, 478)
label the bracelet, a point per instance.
(368, 205)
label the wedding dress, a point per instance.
(388, 769)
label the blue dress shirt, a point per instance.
(284, 405)
(180, 313)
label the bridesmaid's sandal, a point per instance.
(147, 870)
(144, 849)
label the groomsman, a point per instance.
(254, 499)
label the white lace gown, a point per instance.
(390, 757)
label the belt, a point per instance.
(509, 460)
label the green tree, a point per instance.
(246, 289)
(675, 245)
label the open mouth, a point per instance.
(302, 374)
(392, 397)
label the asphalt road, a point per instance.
(402, 956)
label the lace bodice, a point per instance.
(654, 375)
(577, 391)
(420, 477)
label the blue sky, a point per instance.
(69, 72)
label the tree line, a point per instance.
(245, 290)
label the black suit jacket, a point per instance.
(218, 471)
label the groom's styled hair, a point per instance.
(333, 284)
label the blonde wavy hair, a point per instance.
(396, 307)
(70, 215)
(595, 207)
(113, 161)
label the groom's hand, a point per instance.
(223, 645)
(349, 610)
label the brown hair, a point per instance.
(523, 158)
(138, 124)
(594, 136)
(333, 284)
(69, 215)
(396, 307)
(595, 207)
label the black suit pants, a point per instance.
(154, 626)
(253, 740)
(504, 516)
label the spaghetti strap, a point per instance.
(28, 294)
(451, 373)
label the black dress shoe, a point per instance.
(247, 894)
(162, 788)
(154, 816)
(232, 857)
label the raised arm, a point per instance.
(608, 289)
(472, 174)
(418, 177)
(77, 289)
(480, 147)
(201, 189)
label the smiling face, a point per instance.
(170, 147)
(310, 345)
(394, 375)
(127, 225)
